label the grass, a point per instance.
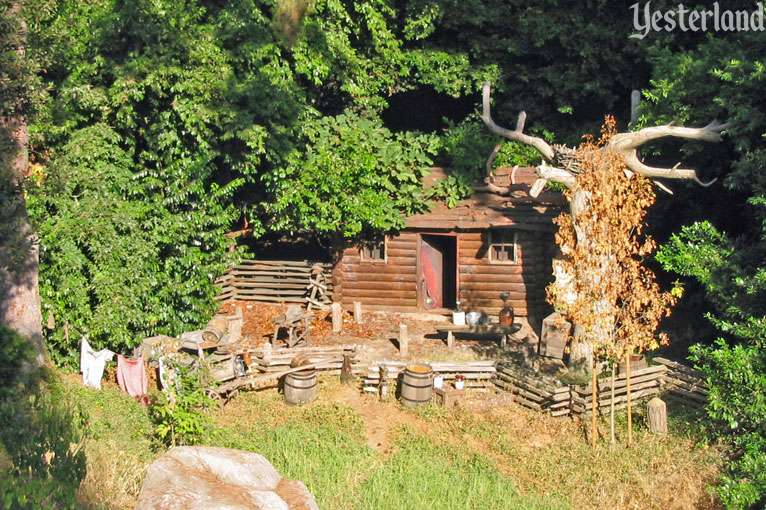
(423, 474)
(500, 457)
(119, 446)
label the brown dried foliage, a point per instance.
(614, 299)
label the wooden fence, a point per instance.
(272, 361)
(478, 374)
(683, 383)
(544, 393)
(277, 281)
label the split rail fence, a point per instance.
(277, 281)
(478, 374)
(684, 384)
(544, 393)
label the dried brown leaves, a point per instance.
(609, 294)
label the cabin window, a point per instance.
(502, 246)
(374, 251)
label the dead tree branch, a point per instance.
(516, 135)
(626, 144)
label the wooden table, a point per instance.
(492, 329)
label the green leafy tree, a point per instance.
(353, 176)
(722, 76)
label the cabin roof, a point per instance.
(490, 208)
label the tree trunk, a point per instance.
(19, 259)
(580, 356)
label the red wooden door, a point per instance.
(431, 271)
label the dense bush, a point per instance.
(40, 434)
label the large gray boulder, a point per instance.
(210, 478)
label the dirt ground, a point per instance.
(377, 339)
(376, 336)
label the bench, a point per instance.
(493, 329)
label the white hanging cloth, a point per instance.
(92, 364)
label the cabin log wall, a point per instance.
(392, 285)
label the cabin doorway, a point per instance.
(437, 271)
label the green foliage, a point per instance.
(353, 176)
(735, 368)
(43, 438)
(180, 416)
(466, 146)
(15, 352)
(41, 435)
(118, 262)
(722, 77)
(530, 64)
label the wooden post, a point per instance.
(657, 416)
(594, 406)
(358, 312)
(235, 326)
(450, 339)
(627, 386)
(611, 406)
(383, 383)
(346, 377)
(337, 318)
(403, 340)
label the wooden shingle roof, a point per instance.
(488, 208)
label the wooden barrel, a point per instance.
(417, 385)
(300, 387)
(215, 329)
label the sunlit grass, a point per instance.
(499, 457)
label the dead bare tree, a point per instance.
(560, 165)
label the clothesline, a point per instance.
(131, 374)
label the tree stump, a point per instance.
(403, 340)
(337, 318)
(657, 416)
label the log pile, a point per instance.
(683, 384)
(223, 362)
(277, 281)
(478, 374)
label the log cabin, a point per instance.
(498, 240)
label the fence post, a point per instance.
(403, 340)
(337, 318)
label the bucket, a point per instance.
(300, 387)
(417, 385)
(458, 318)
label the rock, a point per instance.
(210, 478)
